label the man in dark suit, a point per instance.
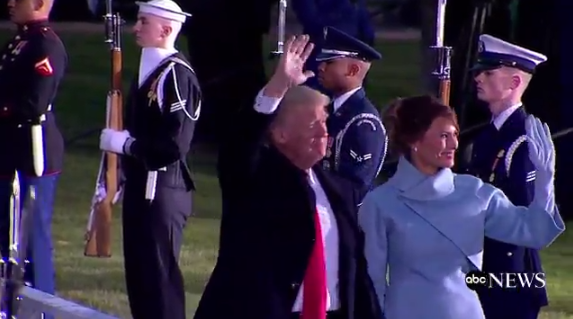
(290, 244)
(357, 139)
(500, 157)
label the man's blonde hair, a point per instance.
(300, 96)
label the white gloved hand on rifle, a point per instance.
(114, 141)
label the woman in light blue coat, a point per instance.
(426, 225)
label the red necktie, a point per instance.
(314, 285)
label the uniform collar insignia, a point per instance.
(18, 48)
(33, 25)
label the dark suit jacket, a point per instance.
(267, 233)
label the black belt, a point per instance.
(335, 314)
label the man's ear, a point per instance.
(353, 69)
(515, 81)
(167, 30)
(277, 134)
(39, 4)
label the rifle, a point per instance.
(12, 266)
(443, 55)
(281, 29)
(108, 186)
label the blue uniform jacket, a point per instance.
(349, 16)
(357, 141)
(428, 232)
(508, 167)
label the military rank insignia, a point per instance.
(329, 147)
(44, 67)
(360, 158)
(481, 47)
(494, 166)
(18, 48)
(326, 164)
(152, 94)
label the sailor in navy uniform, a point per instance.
(500, 157)
(357, 139)
(161, 112)
(32, 66)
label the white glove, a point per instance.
(542, 156)
(113, 141)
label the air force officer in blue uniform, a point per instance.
(350, 16)
(357, 138)
(500, 157)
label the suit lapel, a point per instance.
(340, 208)
(347, 234)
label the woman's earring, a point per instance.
(415, 149)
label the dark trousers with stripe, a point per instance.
(152, 239)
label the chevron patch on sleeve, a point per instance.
(530, 177)
(44, 67)
(177, 106)
(360, 158)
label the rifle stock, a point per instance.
(98, 235)
(444, 91)
(442, 70)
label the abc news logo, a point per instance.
(505, 280)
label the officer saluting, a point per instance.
(162, 109)
(32, 65)
(357, 138)
(500, 157)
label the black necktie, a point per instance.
(491, 129)
(330, 108)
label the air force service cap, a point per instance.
(338, 44)
(494, 53)
(166, 9)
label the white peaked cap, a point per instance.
(493, 47)
(166, 9)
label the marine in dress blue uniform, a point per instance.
(357, 140)
(500, 157)
(162, 109)
(32, 66)
(350, 16)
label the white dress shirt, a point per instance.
(329, 230)
(266, 104)
(151, 58)
(337, 103)
(503, 116)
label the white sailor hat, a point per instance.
(166, 9)
(494, 53)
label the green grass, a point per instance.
(99, 282)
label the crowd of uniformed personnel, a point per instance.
(340, 151)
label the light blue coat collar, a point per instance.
(416, 185)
